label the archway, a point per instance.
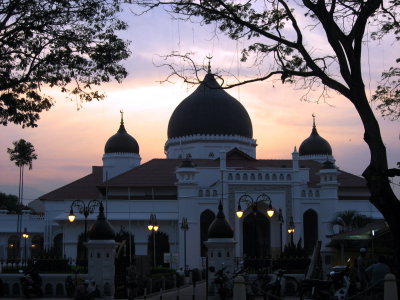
(256, 235)
(206, 218)
(310, 230)
(161, 247)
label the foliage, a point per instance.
(351, 219)
(22, 154)
(56, 43)
(10, 202)
(294, 250)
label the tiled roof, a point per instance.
(161, 173)
(83, 188)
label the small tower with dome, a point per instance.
(121, 153)
(315, 147)
(220, 250)
(208, 121)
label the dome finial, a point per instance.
(209, 64)
(313, 115)
(122, 116)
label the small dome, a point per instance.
(101, 229)
(315, 144)
(121, 142)
(210, 110)
(220, 228)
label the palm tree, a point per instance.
(22, 154)
(350, 219)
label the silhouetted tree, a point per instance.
(51, 43)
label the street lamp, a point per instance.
(280, 220)
(185, 228)
(153, 227)
(25, 235)
(291, 229)
(85, 210)
(263, 198)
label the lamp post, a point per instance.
(263, 198)
(153, 227)
(185, 228)
(25, 235)
(85, 210)
(291, 229)
(280, 219)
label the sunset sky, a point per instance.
(68, 142)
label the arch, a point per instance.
(207, 193)
(310, 229)
(126, 245)
(206, 218)
(13, 249)
(15, 289)
(162, 246)
(288, 177)
(310, 194)
(317, 194)
(214, 193)
(237, 176)
(230, 176)
(59, 289)
(252, 177)
(259, 176)
(200, 193)
(281, 177)
(58, 245)
(303, 193)
(267, 177)
(256, 235)
(48, 289)
(37, 246)
(274, 178)
(245, 176)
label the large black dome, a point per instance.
(315, 145)
(121, 142)
(210, 110)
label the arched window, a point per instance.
(37, 246)
(200, 193)
(252, 177)
(281, 178)
(237, 176)
(211, 154)
(58, 245)
(288, 177)
(317, 194)
(259, 177)
(207, 193)
(310, 194)
(206, 218)
(303, 193)
(13, 250)
(215, 194)
(230, 176)
(274, 178)
(245, 176)
(267, 177)
(310, 229)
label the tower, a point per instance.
(121, 153)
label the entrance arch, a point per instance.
(256, 235)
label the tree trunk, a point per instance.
(382, 196)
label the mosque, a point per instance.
(210, 157)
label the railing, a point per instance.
(44, 265)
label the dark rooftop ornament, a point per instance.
(315, 144)
(102, 229)
(220, 227)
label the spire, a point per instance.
(122, 116)
(209, 64)
(313, 115)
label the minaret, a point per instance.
(121, 153)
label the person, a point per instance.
(376, 274)
(362, 264)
